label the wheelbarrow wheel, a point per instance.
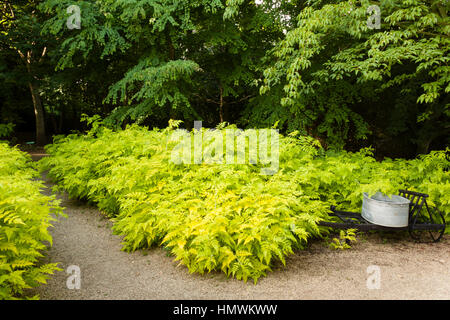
(427, 226)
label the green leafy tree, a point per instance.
(340, 79)
(191, 59)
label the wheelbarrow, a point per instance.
(424, 223)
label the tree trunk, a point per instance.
(221, 105)
(41, 139)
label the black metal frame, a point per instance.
(420, 221)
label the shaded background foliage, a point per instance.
(312, 66)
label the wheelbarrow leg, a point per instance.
(427, 220)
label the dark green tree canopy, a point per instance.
(314, 66)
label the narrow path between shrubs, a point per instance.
(407, 270)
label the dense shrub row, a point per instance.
(25, 217)
(226, 217)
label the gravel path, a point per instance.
(407, 270)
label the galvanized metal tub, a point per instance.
(386, 211)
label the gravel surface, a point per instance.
(408, 270)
